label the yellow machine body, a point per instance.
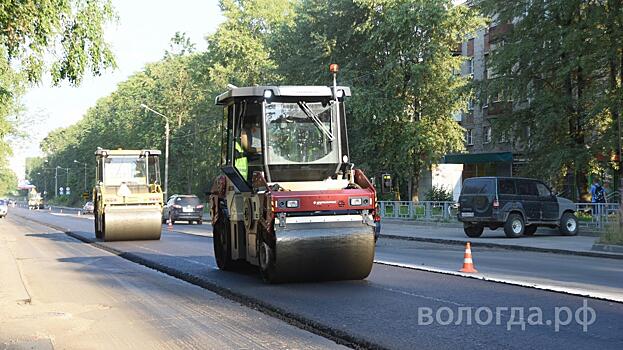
(128, 197)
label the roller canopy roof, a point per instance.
(126, 152)
(284, 91)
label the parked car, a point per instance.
(183, 207)
(88, 208)
(519, 205)
(4, 208)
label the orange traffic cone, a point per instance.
(170, 224)
(468, 263)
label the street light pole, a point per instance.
(56, 181)
(166, 149)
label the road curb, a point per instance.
(595, 254)
(295, 320)
(608, 248)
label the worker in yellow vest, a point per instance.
(242, 162)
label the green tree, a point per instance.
(397, 56)
(561, 66)
(71, 31)
(239, 50)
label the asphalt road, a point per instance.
(75, 296)
(596, 277)
(383, 309)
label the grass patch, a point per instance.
(613, 234)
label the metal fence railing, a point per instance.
(590, 215)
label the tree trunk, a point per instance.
(415, 183)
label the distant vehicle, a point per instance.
(12, 203)
(183, 208)
(4, 208)
(34, 199)
(519, 205)
(88, 208)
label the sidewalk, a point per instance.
(12, 287)
(545, 240)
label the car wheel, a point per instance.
(530, 230)
(200, 222)
(473, 231)
(569, 224)
(514, 226)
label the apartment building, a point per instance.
(489, 153)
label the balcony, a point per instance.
(498, 32)
(498, 107)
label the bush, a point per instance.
(438, 194)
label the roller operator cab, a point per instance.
(127, 196)
(289, 200)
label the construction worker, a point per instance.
(242, 162)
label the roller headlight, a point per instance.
(292, 203)
(358, 201)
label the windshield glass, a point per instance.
(187, 201)
(129, 170)
(301, 133)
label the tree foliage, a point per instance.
(62, 37)
(395, 55)
(561, 65)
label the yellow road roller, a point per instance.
(127, 196)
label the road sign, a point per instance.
(67, 191)
(85, 195)
(61, 191)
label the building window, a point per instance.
(470, 67)
(470, 105)
(504, 137)
(486, 134)
(468, 137)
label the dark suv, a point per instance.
(519, 205)
(183, 207)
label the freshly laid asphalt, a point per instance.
(382, 311)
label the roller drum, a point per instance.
(132, 223)
(323, 251)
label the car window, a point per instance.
(506, 186)
(2, 202)
(478, 186)
(187, 201)
(527, 188)
(543, 190)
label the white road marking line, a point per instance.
(541, 286)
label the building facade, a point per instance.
(488, 152)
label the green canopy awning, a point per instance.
(476, 158)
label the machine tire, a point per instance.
(530, 230)
(473, 231)
(568, 224)
(514, 226)
(98, 232)
(222, 251)
(266, 258)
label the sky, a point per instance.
(140, 36)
